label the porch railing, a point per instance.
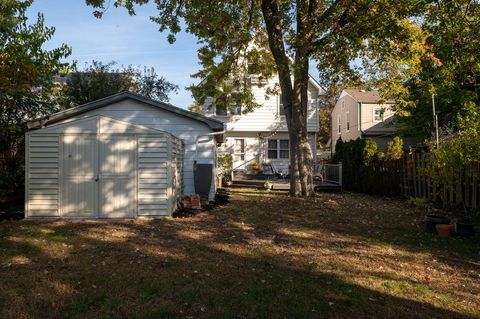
(331, 173)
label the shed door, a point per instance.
(117, 176)
(80, 168)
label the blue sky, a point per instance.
(128, 40)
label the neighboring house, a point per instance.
(261, 136)
(120, 156)
(361, 114)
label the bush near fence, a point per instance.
(367, 172)
(463, 191)
(407, 176)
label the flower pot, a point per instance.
(431, 222)
(464, 228)
(444, 230)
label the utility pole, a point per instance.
(435, 120)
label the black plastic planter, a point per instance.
(464, 228)
(431, 222)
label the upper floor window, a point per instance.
(236, 108)
(343, 104)
(378, 114)
(339, 125)
(221, 106)
(252, 68)
(278, 149)
(347, 117)
(281, 110)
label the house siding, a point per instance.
(256, 148)
(362, 124)
(266, 118)
(367, 117)
(351, 105)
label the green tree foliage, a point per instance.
(450, 68)
(394, 149)
(281, 37)
(101, 80)
(26, 73)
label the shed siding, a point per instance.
(177, 170)
(153, 176)
(42, 187)
(188, 130)
(157, 169)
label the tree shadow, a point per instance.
(222, 264)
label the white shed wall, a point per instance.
(61, 168)
(188, 130)
(42, 173)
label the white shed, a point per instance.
(122, 156)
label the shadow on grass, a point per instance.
(241, 261)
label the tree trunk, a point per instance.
(275, 41)
(302, 49)
(295, 101)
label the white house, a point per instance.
(121, 156)
(261, 136)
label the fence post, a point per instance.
(340, 179)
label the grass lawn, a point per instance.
(264, 255)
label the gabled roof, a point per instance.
(215, 125)
(363, 96)
(316, 84)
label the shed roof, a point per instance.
(215, 125)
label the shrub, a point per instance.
(225, 165)
(456, 154)
(394, 149)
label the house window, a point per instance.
(343, 105)
(281, 110)
(378, 114)
(284, 148)
(339, 125)
(236, 107)
(239, 150)
(278, 149)
(252, 68)
(348, 120)
(221, 106)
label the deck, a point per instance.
(279, 184)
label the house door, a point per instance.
(99, 176)
(239, 153)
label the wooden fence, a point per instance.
(406, 177)
(463, 190)
(378, 178)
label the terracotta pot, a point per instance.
(431, 222)
(444, 230)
